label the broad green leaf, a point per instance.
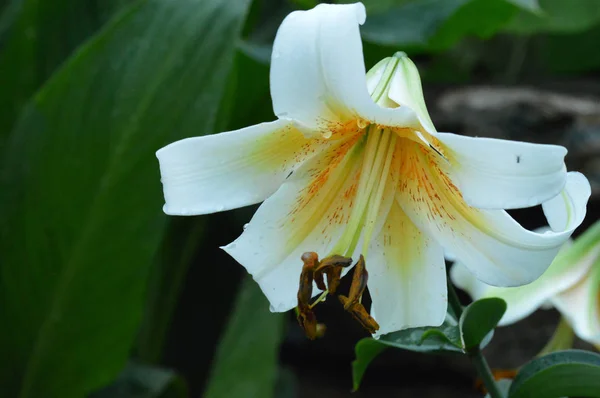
(142, 381)
(259, 52)
(572, 373)
(304, 4)
(378, 6)
(246, 362)
(260, 34)
(571, 53)
(287, 384)
(558, 16)
(366, 350)
(442, 339)
(477, 18)
(9, 9)
(176, 252)
(252, 79)
(531, 5)
(503, 385)
(479, 319)
(437, 24)
(375, 6)
(80, 194)
(36, 37)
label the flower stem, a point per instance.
(479, 362)
(453, 301)
(485, 373)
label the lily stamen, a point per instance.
(306, 317)
(315, 271)
(359, 283)
(319, 299)
(353, 304)
(331, 267)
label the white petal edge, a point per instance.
(318, 76)
(273, 242)
(580, 305)
(407, 276)
(406, 90)
(218, 172)
(528, 254)
(502, 174)
(524, 300)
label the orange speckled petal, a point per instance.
(224, 171)
(308, 213)
(502, 174)
(490, 243)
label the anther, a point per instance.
(306, 317)
(359, 313)
(359, 283)
(332, 267)
(352, 303)
(314, 270)
(308, 322)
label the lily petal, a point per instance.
(580, 305)
(406, 90)
(490, 243)
(501, 174)
(308, 213)
(407, 276)
(202, 175)
(318, 75)
(564, 272)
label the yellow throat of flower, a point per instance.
(380, 149)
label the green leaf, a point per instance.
(246, 362)
(558, 16)
(37, 36)
(503, 385)
(9, 10)
(442, 339)
(531, 5)
(479, 319)
(477, 18)
(437, 24)
(571, 53)
(427, 339)
(378, 6)
(80, 194)
(572, 373)
(176, 252)
(304, 4)
(142, 381)
(366, 350)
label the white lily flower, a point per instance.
(354, 166)
(571, 284)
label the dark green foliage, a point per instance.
(81, 200)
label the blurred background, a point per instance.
(102, 295)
